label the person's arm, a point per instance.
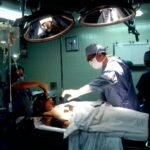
(76, 93)
(106, 79)
(59, 115)
(30, 84)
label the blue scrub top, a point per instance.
(116, 84)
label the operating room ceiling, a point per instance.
(73, 6)
(70, 5)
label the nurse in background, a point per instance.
(21, 92)
(143, 85)
(115, 82)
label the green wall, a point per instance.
(43, 62)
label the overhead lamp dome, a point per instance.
(47, 27)
(107, 15)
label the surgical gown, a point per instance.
(116, 84)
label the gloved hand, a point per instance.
(76, 93)
(71, 94)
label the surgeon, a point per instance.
(115, 81)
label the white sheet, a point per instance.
(38, 125)
(113, 121)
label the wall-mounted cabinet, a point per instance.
(133, 52)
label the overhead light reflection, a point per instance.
(139, 13)
(47, 27)
(3, 42)
(10, 14)
(46, 20)
(15, 56)
(109, 15)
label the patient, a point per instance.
(94, 117)
(51, 115)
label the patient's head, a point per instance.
(42, 104)
(53, 116)
(17, 73)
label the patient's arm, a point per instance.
(60, 112)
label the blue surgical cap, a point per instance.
(94, 48)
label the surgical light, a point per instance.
(106, 15)
(43, 27)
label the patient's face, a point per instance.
(48, 104)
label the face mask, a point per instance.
(21, 78)
(95, 64)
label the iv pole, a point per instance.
(10, 42)
(8, 39)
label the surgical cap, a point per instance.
(94, 48)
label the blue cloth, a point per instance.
(21, 101)
(94, 141)
(116, 84)
(113, 121)
(99, 126)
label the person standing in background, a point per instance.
(143, 86)
(21, 93)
